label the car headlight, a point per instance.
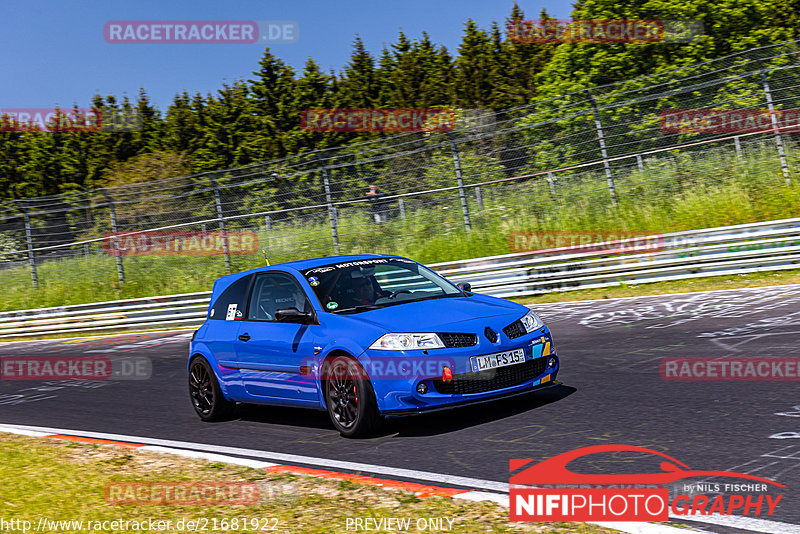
(531, 322)
(407, 342)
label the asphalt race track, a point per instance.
(612, 392)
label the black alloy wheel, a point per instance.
(205, 393)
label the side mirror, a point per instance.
(465, 286)
(293, 315)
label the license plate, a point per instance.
(498, 359)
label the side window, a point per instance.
(272, 292)
(230, 305)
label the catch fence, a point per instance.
(582, 156)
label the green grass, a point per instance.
(669, 195)
(63, 481)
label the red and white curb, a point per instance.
(497, 491)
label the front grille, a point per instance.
(458, 340)
(490, 334)
(515, 330)
(491, 379)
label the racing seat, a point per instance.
(349, 292)
(272, 299)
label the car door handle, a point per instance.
(245, 337)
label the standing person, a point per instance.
(380, 212)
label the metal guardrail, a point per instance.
(148, 313)
(739, 249)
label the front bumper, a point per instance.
(396, 375)
(451, 406)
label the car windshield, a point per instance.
(361, 285)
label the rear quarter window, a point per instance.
(230, 306)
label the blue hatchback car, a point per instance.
(362, 337)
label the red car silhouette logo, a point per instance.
(554, 470)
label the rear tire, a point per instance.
(350, 398)
(207, 399)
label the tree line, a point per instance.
(257, 118)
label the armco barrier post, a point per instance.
(738, 145)
(332, 215)
(774, 119)
(29, 240)
(603, 152)
(460, 178)
(115, 239)
(222, 229)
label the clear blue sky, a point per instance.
(53, 52)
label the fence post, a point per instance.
(459, 176)
(268, 222)
(223, 230)
(332, 215)
(639, 162)
(402, 209)
(479, 197)
(774, 119)
(738, 144)
(115, 239)
(29, 240)
(602, 139)
(552, 184)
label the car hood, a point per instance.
(439, 315)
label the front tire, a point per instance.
(207, 399)
(350, 399)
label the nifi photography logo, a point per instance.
(548, 491)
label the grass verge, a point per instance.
(64, 481)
